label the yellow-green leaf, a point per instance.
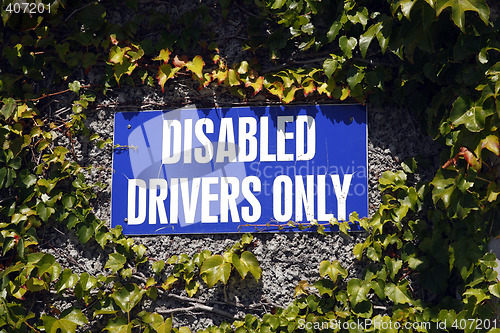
(196, 66)
(166, 72)
(164, 55)
(308, 86)
(119, 325)
(115, 261)
(233, 78)
(301, 288)
(276, 89)
(332, 269)
(247, 263)
(491, 143)
(117, 53)
(289, 94)
(256, 85)
(215, 269)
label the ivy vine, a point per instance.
(426, 252)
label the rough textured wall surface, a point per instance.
(285, 258)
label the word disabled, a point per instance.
(191, 171)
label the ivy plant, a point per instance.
(425, 257)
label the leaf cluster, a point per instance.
(425, 257)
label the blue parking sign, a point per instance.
(191, 171)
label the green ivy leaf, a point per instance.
(347, 45)
(393, 266)
(116, 54)
(167, 285)
(278, 4)
(66, 324)
(45, 263)
(247, 263)
(135, 55)
(243, 67)
(67, 280)
(87, 281)
(192, 287)
(215, 269)
(89, 59)
(374, 252)
(44, 212)
(329, 66)
(289, 94)
(491, 143)
(34, 285)
(301, 288)
(128, 297)
(126, 67)
(361, 16)
(74, 86)
(159, 325)
(119, 325)
(28, 180)
(459, 7)
(246, 239)
(366, 38)
(8, 108)
(85, 232)
(333, 31)
(494, 289)
(378, 286)
(233, 78)
(447, 316)
(358, 250)
(358, 291)
(473, 117)
(308, 28)
(325, 286)
(398, 293)
(126, 273)
(332, 269)
(443, 189)
(115, 262)
(158, 266)
(406, 6)
(479, 294)
(354, 77)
